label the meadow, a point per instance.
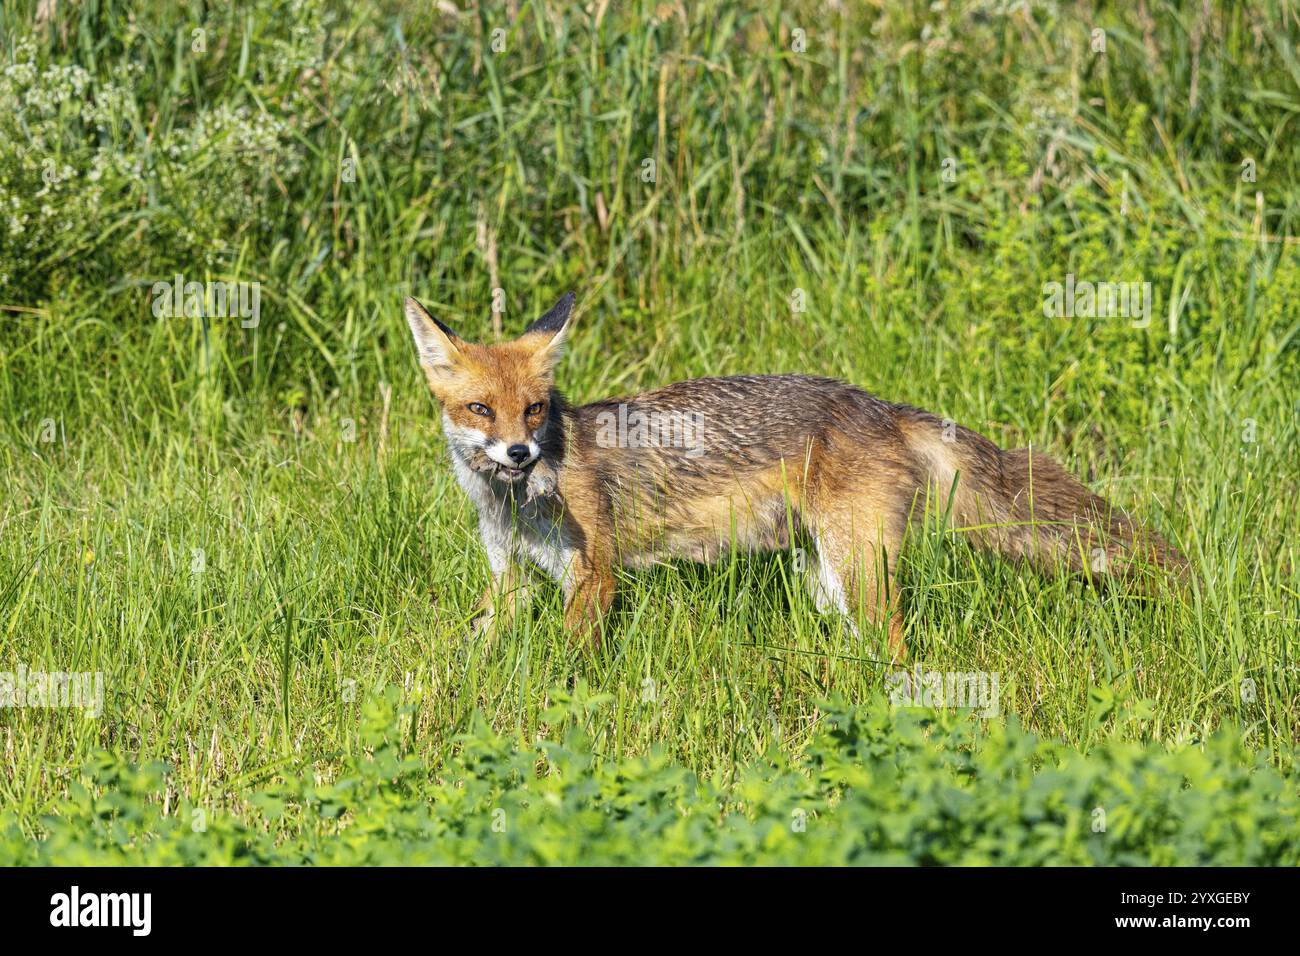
(248, 525)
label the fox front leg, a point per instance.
(588, 596)
(507, 595)
(510, 589)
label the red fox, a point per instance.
(757, 462)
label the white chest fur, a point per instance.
(512, 529)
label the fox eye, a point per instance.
(534, 409)
(479, 409)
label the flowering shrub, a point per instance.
(89, 182)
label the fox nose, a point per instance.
(518, 453)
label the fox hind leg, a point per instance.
(854, 572)
(825, 586)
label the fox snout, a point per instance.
(513, 455)
(501, 458)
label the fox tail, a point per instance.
(1025, 506)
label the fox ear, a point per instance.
(437, 345)
(547, 336)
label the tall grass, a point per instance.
(231, 527)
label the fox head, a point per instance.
(496, 399)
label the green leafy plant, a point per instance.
(876, 786)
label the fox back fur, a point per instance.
(757, 462)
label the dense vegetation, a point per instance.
(874, 788)
(251, 531)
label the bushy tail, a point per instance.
(1026, 506)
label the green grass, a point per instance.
(337, 553)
